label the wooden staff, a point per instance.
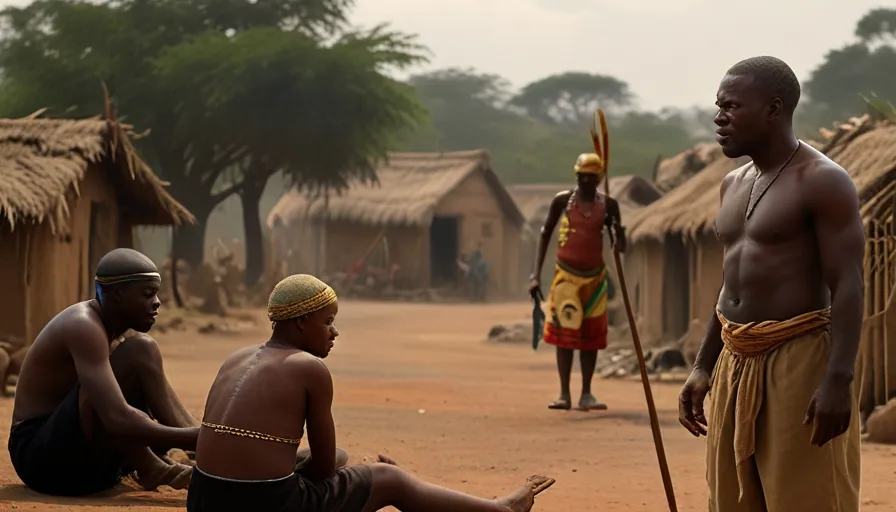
(642, 365)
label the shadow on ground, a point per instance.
(121, 496)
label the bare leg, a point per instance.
(393, 486)
(137, 364)
(588, 401)
(303, 458)
(564, 368)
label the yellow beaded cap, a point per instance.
(299, 295)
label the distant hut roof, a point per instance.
(672, 172)
(864, 147)
(408, 190)
(42, 162)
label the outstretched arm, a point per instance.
(89, 349)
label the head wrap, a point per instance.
(297, 296)
(124, 266)
(590, 163)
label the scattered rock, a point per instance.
(511, 333)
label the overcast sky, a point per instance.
(671, 52)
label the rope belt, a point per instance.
(224, 429)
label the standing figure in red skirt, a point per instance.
(578, 296)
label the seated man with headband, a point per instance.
(261, 401)
(83, 413)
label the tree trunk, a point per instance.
(188, 242)
(250, 196)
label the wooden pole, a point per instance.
(636, 339)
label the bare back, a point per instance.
(774, 262)
(262, 389)
(48, 372)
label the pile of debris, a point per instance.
(670, 361)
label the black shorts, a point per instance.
(346, 491)
(52, 455)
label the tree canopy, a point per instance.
(474, 110)
(233, 91)
(862, 68)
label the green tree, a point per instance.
(467, 110)
(572, 97)
(323, 115)
(861, 68)
(233, 90)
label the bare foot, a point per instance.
(524, 498)
(386, 460)
(176, 476)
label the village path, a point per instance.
(419, 383)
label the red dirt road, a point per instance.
(419, 383)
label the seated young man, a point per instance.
(84, 414)
(264, 396)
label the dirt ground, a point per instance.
(419, 383)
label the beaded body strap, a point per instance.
(224, 429)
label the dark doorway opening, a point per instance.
(676, 288)
(443, 250)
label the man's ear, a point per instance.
(300, 323)
(118, 293)
(775, 108)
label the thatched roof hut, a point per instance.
(44, 161)
(672, 172)
(865, 149)
(409, 188)
(430, 207)
(70, 191)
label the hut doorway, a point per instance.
(443, 249)
(676, 288)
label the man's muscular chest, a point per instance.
(777, 216)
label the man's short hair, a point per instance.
(773, 74)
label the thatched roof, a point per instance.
(409, 189)
(43, 161)
(534, 199)
(864, 147)
(672, 172)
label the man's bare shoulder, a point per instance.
(824, 180)
(562, 197)
(310, 371)
(78, 321)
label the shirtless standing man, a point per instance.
(780, 349)
(579, 291)
(82, 414)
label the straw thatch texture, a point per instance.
(865, 148)
(688, 209)
(672, 172)
(410, 187)
(43, 161)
